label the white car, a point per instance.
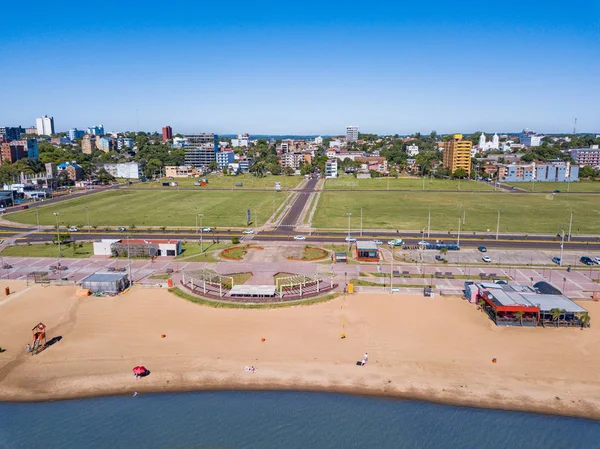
(597, 260)
(206, 229)
(120, 228)
(486, 259)
(423, 242)
(299, 237)
(73, 229)
(378, 242)
(350, 239)
(248, 231)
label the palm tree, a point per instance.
(443, 251)
(584, 319)
(519, 314)
(556, 313)
(481, 304)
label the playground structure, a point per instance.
(300, 284)
(39, 338)
(210, 282)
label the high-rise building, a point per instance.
(11, 132)
(457, 154)
(88, 144)
(44, 125)
(96, 130)
(19, 149)
(167, 133)
(200, 149)
(351, 133)
(74, 133)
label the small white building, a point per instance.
(412, 150)
(242, 140)
(154, 247)
(318, 140)
(127, 170)
(331, 169)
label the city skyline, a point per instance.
(273, 70)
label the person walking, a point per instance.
(365, 359)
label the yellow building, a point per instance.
(457, 154)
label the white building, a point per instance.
(412, 150)
(243, 140)
(331, 169)
(351, 133)
(318, 140)
(44, 125)
(482, 141)
(158, 247)
(336, 143)
(495, 141)
(532, 140)
(125, 143)
(128, 170)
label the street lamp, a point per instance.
(87, 213)
(562, 244)
(429, 223)
(361, 224)
(37, 216)
(570, 225)
(201, 229)
(57, 238)
(458, 238)
(498, 226)
(349, 215)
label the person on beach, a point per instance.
(365, 359)
(28, 347)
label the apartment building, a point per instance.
(331, 169)
(586, 156)
(457, 154)
(44, 125)
(351, 133)
(167, 133)
(88, 144)
(179, 171)
(536, 172)
(200, 149)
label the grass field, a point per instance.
(49, 250)
(522, 213)
(221, 209)
(349, 182)
(581, 186)
(227, 182)
(191, 250)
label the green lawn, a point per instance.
(349, 182)
(220, 181)
(581, 186)
(49, 250)
(221, 209)
(523, 213)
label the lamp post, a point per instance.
(498, 226)
(570, 226)
(201, 230)
(361, 224)
(429, 223)
(562, 244)
(57, 238)
(458, 238)
(87, 213)
(37, 216)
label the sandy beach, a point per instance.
(434, 349)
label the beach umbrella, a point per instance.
(139, 370)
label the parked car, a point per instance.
(378, 242)
(486, 259)
(299, 237)
(453, 247)
(350, 239)
(73, 229)
(207, 229)
(438, 257)
(556, 260)
(586, 260)
(24, 206)
(423, 242)
(120, 228)
(248, 231)
(597, 260)
(483, 249)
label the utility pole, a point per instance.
(57, 238)
(361, 223)
(458, 238)
(349, 215)
(87, 212)
(562, 244)
(498, 226)
(429, 223)
(570, 225)
(201, 231)
(37, 216)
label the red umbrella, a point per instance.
(139, 370)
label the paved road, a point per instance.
(291, 217)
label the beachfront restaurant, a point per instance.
(367, 251)
(512, 308)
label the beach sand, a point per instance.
(434, 349)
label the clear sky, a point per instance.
(303, 67)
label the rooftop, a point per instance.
(368, 245)
(104, 277)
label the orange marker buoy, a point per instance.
(494, 360)
(263, 339)
(162, 335)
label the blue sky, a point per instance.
(303, 67)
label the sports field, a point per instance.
(581, 186)
(157, 208)
(522, 213)
(225, 182)
(349, 182)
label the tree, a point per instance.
(154, 166)
(212, 166)
(556, 314)
(443, 251)
(519, 314)
(275, 168)
(459, 173)
(288, 171)
(587, 171)
(104, 177)
(584, 319)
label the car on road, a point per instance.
(207, 229)
(483, 249)
(586, 260)
(248, 231)
(486, 259)
(299, 237)
(378, 242)
(423, 243)
(24, 206)
(350, 239)
(453, 247)
(120, 228)
(556, 260)
(73, 229)
(556, 191)
(597, 260)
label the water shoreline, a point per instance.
(484, 404)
